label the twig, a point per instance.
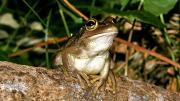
(141, 49)
(76, 10)
(55, 40)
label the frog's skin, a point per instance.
(88, 51)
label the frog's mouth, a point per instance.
(101, 42)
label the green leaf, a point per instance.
(142, 16)
(146, 17)
(124, 3)
(158, 7)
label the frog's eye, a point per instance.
(91, 24)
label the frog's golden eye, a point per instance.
(91, 25)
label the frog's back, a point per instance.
(74, 39)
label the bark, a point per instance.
(28, 83)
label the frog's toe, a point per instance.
(108, 85)
(98, 85)
(95, 79)
(111, 83)
(83, 77)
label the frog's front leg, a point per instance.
(111, 82)
(58, 63)
(105, 79)
(102, 77)
(111, 78)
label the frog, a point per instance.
(87, 53)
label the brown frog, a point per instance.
(87, 53)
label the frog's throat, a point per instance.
(104, 34)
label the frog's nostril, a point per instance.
(114, 20)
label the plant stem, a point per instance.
(63, 19)
(168, 40)
(3, 4)
(46, 39)
(129, 40)
(92, 5)
(34, 13)
(10, 39)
